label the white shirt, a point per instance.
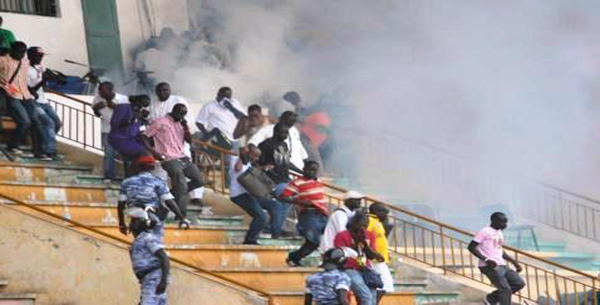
(297, 151)
(235, 188)
(34, 77)
(106, 112)
(336, 223)
(214, 115)
(159, 109)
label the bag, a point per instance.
(257, 182)
(372, 278)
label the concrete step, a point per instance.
(3, 283)
(234, 256)
(274, 279)
(17, 298)
(93, 179)
(106, 213)
(410, 285)
(57, 192)
(207, 234)
(40, 172)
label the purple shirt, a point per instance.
(125, 131)
(490, 243)
(168, 137)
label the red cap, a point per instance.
(148, 159)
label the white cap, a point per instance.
(353, 195)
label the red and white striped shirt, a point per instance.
(310, 190)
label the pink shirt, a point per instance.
(168, 137)
(490, 243)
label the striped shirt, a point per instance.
(307, 189)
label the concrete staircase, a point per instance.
(213, 242)
(15, 298)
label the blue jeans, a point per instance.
(254, 207)
(49, 126)
(109, 158)
(24, 114)
(52, 114)
(277, 224)
(358, 286)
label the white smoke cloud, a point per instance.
(509, 84)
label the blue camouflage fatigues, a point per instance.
(143, 258)
(324, 285)
(146, 190)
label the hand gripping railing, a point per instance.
(439, 245)
(195, 268)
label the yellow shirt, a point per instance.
(381, 243)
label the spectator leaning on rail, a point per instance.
(36, 80)
(487, 246)
(169, 134)
(103, 105)
(150, 263)
(125, 132)
(362, 241)
(14, 69)
(218, 118)
(252, 205)
(339, 219)
(143, 194)
(378, 216)
(308, 194)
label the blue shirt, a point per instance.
(324, 285)
(143, 251)
(144, 190)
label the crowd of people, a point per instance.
(276, 170)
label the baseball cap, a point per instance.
(353, 195)
(148, 159)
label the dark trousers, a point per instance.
(506, 281)
(25, 116)
(311, 224)
(179, 170)
(255, 208)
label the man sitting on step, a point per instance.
(142, 194)
(150, 263)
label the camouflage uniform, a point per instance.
(147, 265)
(324, 285)
(146, 191)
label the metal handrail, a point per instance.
(68, 97)
(444, 233)
(260, 292)
(424, 218)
